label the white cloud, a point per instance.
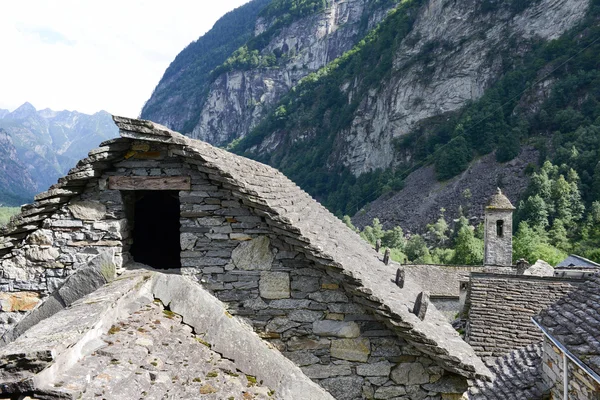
(93, 55)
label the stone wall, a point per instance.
(312, 312)
(80, 229)
(500, 308)
(581, 385)
(449, 306)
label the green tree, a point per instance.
(535, 211)
(509, 146)
(453, 159)
(416, 249)
(398, 256)
(442, 256)
(532, 245)
(438, 231)
(558, 236)
(460, 223)
(468, 249)
(561, 197)
(348, 221)
(394, 239)
(372, 233)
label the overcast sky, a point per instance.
(95, 55)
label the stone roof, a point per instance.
(300, 220)
(499, 202)
(119, 342)
(574, 321)
(153, 352)
(517, 376)
(540, 268)
(500, 308)
(575, 261)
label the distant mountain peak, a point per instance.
(27, 106)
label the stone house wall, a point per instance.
(313, 313)
(581, 385)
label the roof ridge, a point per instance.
(434, 335)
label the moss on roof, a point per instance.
(499, 202)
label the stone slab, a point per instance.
(274, 285)
(69, 335)
(228, 335)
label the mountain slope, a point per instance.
(47, 143)
(437, 84)
(177, 99)
(356, 127)
(424, 196)
(16, 185)
(291, 39)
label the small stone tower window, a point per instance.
(500, 228)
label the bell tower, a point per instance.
(498, 231)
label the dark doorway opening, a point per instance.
(156, 229)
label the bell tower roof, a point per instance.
(499, 202)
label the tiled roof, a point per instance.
(517, 376)
(574, 321)
(574, 260)
(501, 306)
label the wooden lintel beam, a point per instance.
(149, 183)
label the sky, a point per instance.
(91, 55)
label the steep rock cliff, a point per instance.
(239, 99)
(465, 49)
(178, 98)
(453, 53)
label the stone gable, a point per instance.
(274, 256)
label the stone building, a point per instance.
(498, 231)
(249, 242)
(500, 307)
(571, 346)
(576, 266)
(565, 364)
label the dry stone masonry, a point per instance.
(274, 256)
(500, 308)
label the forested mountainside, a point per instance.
(222, 85)
(434, 84)
(428, 74)
(177, 100)
(38, 147)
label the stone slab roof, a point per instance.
(152, 352)
(575, 261)
(499, 202)
(517, 376)
(574, 321)
(500, 308)
(300, 220)
(116, 343)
